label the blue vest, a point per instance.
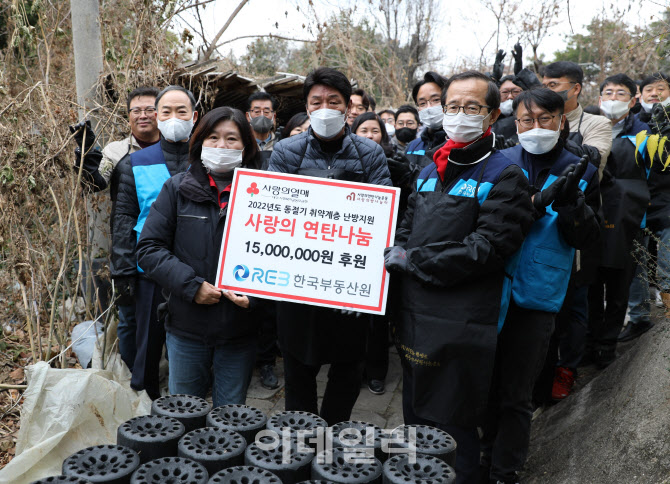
(541, 268)
(150, 173)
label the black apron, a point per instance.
(447, 336)
(316, 335)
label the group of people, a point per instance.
(512, 263)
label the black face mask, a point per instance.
(405, 135)
(261, 124)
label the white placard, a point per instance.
(308, 240)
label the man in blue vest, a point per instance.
(141, 177)
(566, 200)
(427, 94)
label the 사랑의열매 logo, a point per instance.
(253, 189)
(241, 272)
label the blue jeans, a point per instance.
(192, 363)
(639, 305)
(126, 334)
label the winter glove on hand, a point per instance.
(395, 259)
(90, 173)
(543, 199)
(125, 288)
(568, 195)
(83, 133)
(497, 65)
(401, 170)
(517, 53)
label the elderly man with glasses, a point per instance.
(469, 214)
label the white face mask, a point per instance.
(539, 140)
(327, 123)
(463, 128)
(665, 102)
(614, 109)
(390, 129)
(175, 129)
(431, 117)
(647, 106)
(506, 107)
(220, 160)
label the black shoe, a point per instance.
(634, 330)
(376, 387)
(604, 357)
(268, 378)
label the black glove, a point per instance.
(517, 53)
(125, 289)
(81, 130)
(543, 199)
(90, 174)
(402, 171)
(497, 65)
(568, 194)
(395, 259)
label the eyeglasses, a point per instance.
(545, 121)
(469, 109)
(513, 92)
(259, 111)
(433, 101)
(138, 111)
(620, 94)
(406, 124)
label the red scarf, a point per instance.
(441, 156)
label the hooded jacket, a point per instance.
(179, 250)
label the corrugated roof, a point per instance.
(229, 88)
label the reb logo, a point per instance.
(253, 189)
(241, 272)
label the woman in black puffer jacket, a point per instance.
(179, 249)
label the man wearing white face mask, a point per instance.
(427, 94)
(566, 201)
(310, 336)
(591, 134)
(510, 88)
(654, 89)
(625, 196)
(469, 214)
(141, 176)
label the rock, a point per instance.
(616, 428)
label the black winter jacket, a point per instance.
(126, 208)
(625, 195)
(179, 249)
(312, 334)
(362, 159)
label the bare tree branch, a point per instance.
(261, 36)
(193, 5)
(212, 45)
